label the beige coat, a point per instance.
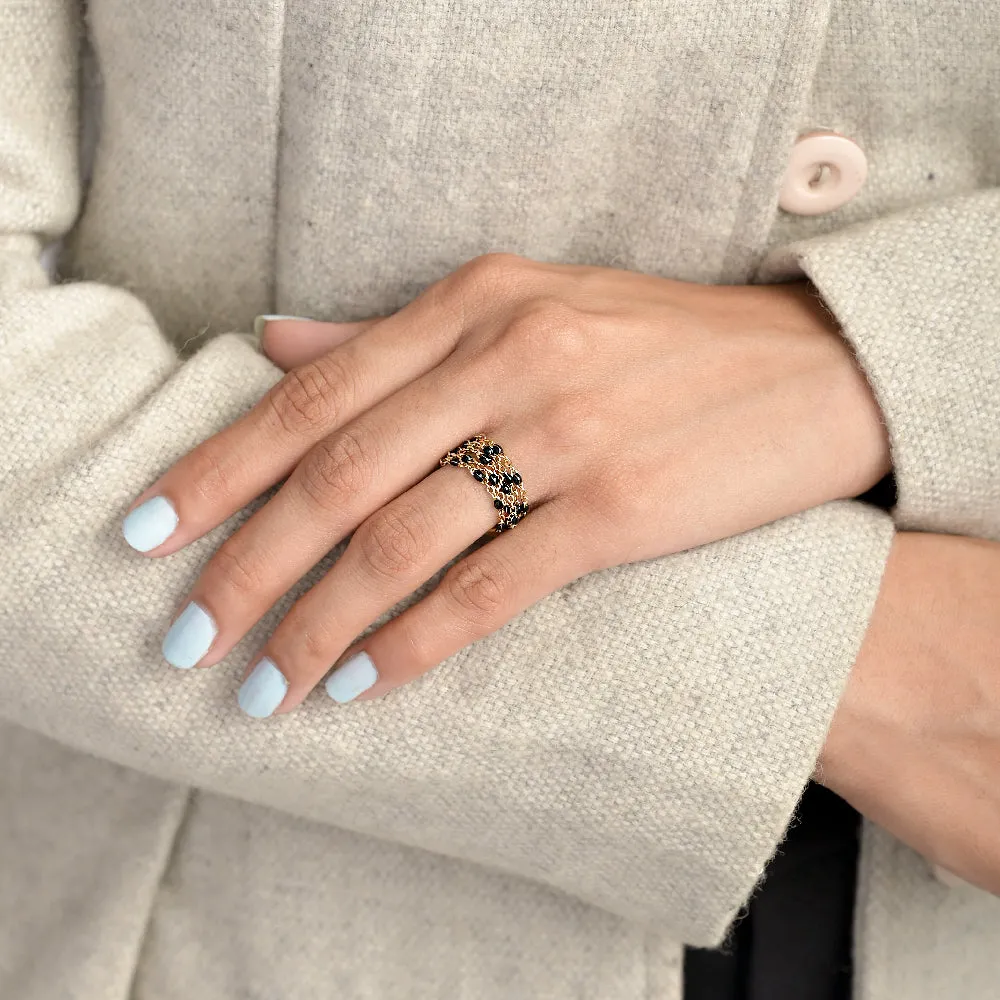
(553, 811)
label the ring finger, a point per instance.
(389, 556)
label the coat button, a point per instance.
(825, 171)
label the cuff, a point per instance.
(917, 295)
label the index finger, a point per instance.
(229, 469)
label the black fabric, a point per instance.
(882, 494)
(795, 941)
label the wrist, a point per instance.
(849, 416)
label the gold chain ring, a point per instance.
(488, 465)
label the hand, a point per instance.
(915, 741)
(645, 415)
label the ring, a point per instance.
(488, 464)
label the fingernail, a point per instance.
(150, 524)
(263, 690)
(261, 321)
(353, 676)
(188, 639)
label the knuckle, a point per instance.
(418, 639)
(315, 644)
(393, 543)
(311, 638)
(444, 296)
(337, 468)
(552, 330)
(479, 586)
(494, 275)
(306, 398)
(237, 570)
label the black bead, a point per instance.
(454, 461)
(486, 458)
(513, 519)
(493, 479)
(467, 459)
(505, 488)
(517, 478)
(497, 450)
(478, 474)
(499, 504)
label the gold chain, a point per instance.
(488, 465)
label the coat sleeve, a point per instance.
(638, 739)
(917, 294)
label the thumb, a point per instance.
(290, 341)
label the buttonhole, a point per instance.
(821, 175)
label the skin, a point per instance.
(739, 404)
(645, 415)
(915, 741)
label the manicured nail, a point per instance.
(261, 321)
(353, 676)
(188, 639)
(150, 524)
(263, 690)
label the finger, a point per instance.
(290, 342)
(388, 557)
(391, 554)
(477, 595)
(329, 495)
(229, 469)
(342, 480)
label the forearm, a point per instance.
(915, 742)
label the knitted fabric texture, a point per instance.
(554, 809)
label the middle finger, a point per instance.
(391, 554)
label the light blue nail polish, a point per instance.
(353, 676)
(261, 321)
(263, 690)
(188, 639)
(150, 524)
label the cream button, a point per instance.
(825, 170)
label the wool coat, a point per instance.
(556, 810)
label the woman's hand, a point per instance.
(915, 741)
(645, 415)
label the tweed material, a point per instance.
(369, 923)
(911, 269)
(85, 845)
(418, 134)
(928, 337)
(922, 938)
(251, 902)
(637, 741)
